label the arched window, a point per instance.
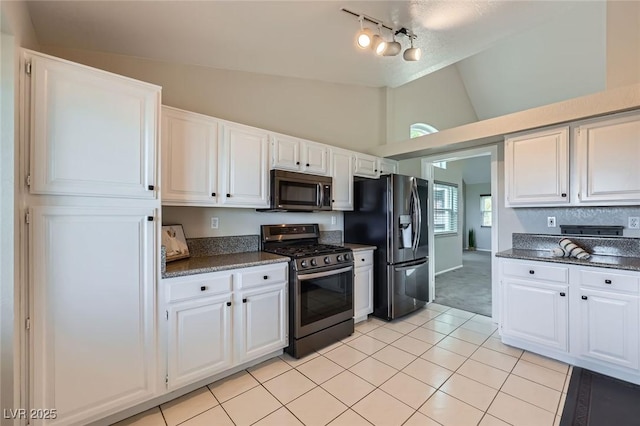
(421, 129)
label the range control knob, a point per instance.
(327, 260)
(339, 258)
(313, 262)
(304, 264)
(346, 256)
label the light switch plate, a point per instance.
(214, 223)
(634, 222)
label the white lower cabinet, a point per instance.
(261, 321)
(219, 320)
(609, 327)
(362, 284)
(92, 320)
(536, 311)
(593, 324)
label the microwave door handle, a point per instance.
(318, 192)
(321, 202)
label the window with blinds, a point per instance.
(445, 208)
(485, 209)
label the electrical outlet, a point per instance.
(214, 223)
(634, 222)
(334, 220)
(551, 221)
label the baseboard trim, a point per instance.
(448, 270)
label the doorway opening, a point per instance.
(464, 229)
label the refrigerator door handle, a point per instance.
(411, 266)
(419, 207)
(416, 215)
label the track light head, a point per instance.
(412, 53)
(392, 48)
(364, 38)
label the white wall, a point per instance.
(197, 220)
(438, 99)
(561, 59)
(473, 217)
(337, 114)
(16, 31)
(623, 43)
(448, 248)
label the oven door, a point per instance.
(322, 299)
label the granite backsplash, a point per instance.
(607, 246)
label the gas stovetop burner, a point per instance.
(300, 242)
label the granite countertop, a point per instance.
(359, 247)
(602, 261)
(220, 262)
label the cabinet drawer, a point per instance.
(609, 281)
(362, 258)
(202, 285)
(263, 275)
(536, 271)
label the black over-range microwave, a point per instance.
(292, 191)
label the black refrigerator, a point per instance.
(391, 214)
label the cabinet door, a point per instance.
(537, 168)
(245, 166)
(316, 158)
(93, 330)
(536, 312)
(608, 158)
(199, 339)
(366, 165)
(387, 166)
(285, 153)
(362, 292)
(189, 158)
(91, 132)
(609, 327)
(342, 173)
(262, 321)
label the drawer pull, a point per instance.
(244, 300)
(563, 195)
(266, 277)
(203, 288)
(228, 303)
(563, 294)
(607, 281)
(362, 260)
(531, 271)
(584, 297)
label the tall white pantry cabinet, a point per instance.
(89, 155)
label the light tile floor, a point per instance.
(438, 366)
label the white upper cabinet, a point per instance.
(366, 165)
(244, 165)
(91, 133)
(387, 166)
(189, 158)
(298, 155)
(537, 168)
(342, 174)
(608, 158)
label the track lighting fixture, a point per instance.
(366, 38)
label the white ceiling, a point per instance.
(304, 39)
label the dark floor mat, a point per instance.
(597, 400)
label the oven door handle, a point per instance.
(304, 277)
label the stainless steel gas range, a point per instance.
(320, 286)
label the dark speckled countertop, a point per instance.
(602, 261)
(220, 262)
